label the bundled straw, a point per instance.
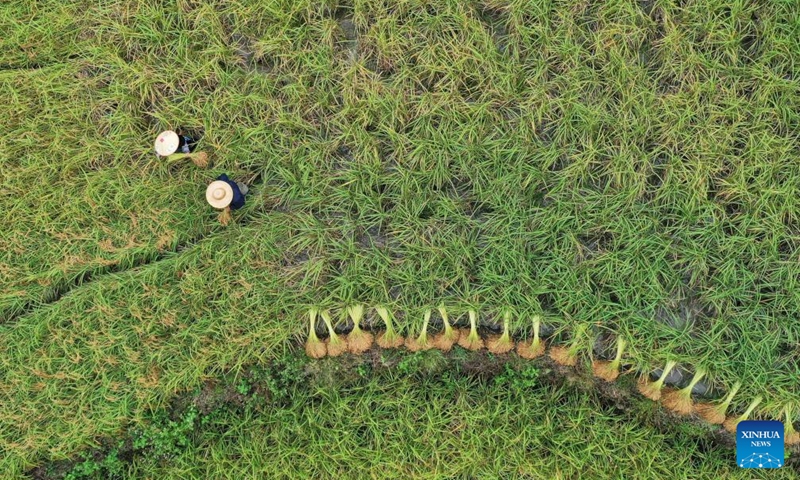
(652, 390)
(421, 342)
(609, 371)
(500, 344)
(358, 341)
(716, 413)
(731, 423)
(568, 356)
(336, 346)
(680, 401)
(472, 341)
(198, 158)
(444, 341)
(314, 347)
(536, 347)
(225, 216)
(389, 337)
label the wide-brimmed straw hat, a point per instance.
(219, 194)
(167, 143)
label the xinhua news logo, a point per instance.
(759, 444)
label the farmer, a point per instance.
(224, 194)
(169, 142)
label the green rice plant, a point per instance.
(314, 347)
(445, 339)
(421, 342)
(716, 413)
(536, 346)
(471, 340)
(388, 338)
(335, 345)
(680, 401)
(500, 344)
(731, 423)
(568, 356)
(358, 341)
(652, 390)
(609, 370)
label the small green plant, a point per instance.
(166, 438)
(243, 387)
(521, 379)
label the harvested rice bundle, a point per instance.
(314, 347)
(200, 159)
(731, 423)
(358, 341)
(336, 346)
(388, 338)
(421, 342)
(471, 341)
(715, 414)
(791, 436)
(568, 356)
(444, 341)
(609, 371)
(680, 401)
(500, 344)
(652, 390)
(536, 347)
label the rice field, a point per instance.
(612, 183)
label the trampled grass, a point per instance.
(625, 169)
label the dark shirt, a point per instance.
(238, 197)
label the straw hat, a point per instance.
(167, 143)
(219, 194)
